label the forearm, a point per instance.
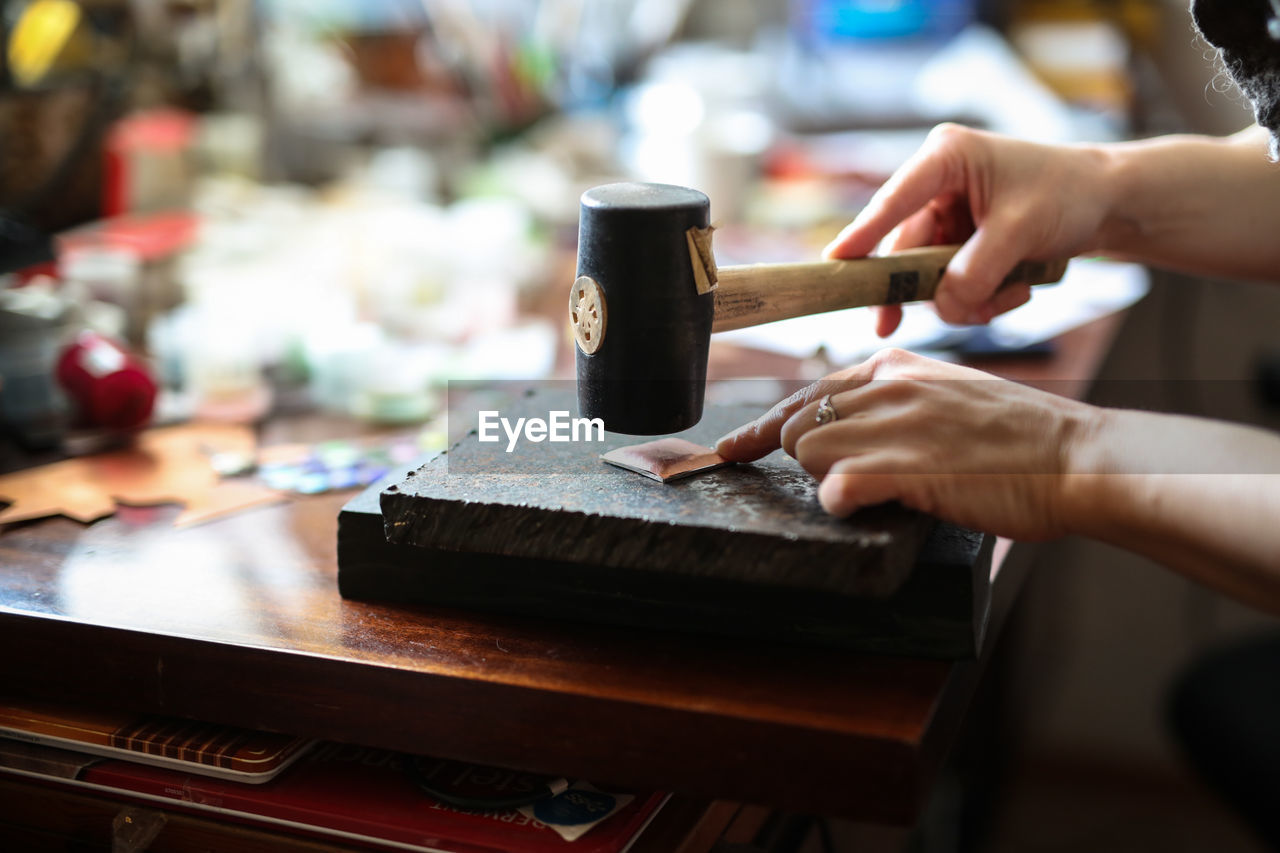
(1200, 497)
(1194, 203)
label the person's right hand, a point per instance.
(1006, 200)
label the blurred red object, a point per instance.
(148, 164)
(110, 386)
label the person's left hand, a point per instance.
(946, 440)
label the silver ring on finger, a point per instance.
(826, 412)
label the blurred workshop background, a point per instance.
(243, 209)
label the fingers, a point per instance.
(969, 290)
(888, 318)
(823, 439)
(819, 447)
(895, 201)
(857, 482)
(919, 229)
(874, 415)
(762, 436)
(935, 197)
(925, 176)
(1008, 298)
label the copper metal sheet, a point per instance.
(666, 459)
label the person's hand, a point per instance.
(1006, 200)
(947, 440)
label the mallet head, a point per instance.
(642, 326)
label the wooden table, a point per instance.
(239, 621)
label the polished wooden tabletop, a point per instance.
(239, 621)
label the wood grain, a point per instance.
(762, 293)
(239, 621)
(107, 615)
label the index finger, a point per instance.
(762, 436)
(921, 179)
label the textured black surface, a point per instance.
(552, 531)
(647, 377)
(758, 523)
(940, 609)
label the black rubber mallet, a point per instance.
(648, 296)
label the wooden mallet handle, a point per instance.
(761, 293)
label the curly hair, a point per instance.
(1240, 30)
